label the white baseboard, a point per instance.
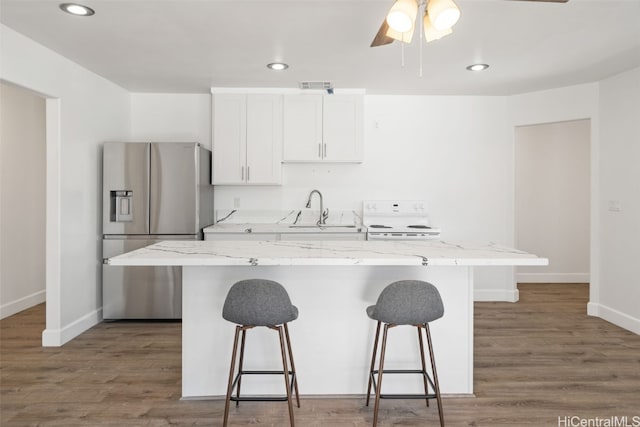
(553, 277)
(616, 317)
(58, 337)
(496, 295)
(13, 307)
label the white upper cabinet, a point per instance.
(247, 139)
(264, 139)
(302, 127)
(323, 128)
(229, 139)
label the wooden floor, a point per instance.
(535, 361)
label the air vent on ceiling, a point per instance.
(316, 85)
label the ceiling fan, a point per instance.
(439, 16)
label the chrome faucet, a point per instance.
(323, 213)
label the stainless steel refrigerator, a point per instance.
(151, 192)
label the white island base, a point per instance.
(331, 283)
(332, 338)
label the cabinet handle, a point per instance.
(319, 150)
(242, 168)
(248, 170)
(325, 151)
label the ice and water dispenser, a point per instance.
(122, 206)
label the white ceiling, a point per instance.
(192, 45)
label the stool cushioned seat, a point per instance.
(258, 302)
(407, 302)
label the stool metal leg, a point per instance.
(244, 335)
(293, 366)
(373, 362)
(231, 375)
(379, 385)
(286, 374)
(424, 363)
(435, 374)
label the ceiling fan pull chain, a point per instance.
(402, 52)
(421, 37)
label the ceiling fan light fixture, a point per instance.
(402, 15)
(405, 37)
(430, 32)
(443, 13)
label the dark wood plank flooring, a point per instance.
(535, 361)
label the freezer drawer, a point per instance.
(139, 292)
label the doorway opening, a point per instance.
(47, 211)
(23, 199)
(553, 200)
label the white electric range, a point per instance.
(397, 220)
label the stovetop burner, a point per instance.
(397, 220)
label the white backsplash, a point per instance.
(285, 216)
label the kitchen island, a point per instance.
(331, 283)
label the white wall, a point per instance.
(88, 110)
(162, 117)
(22, 199)
(552, 200)
(618, 296)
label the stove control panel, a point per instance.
(391, 207)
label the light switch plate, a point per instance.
(614, 206)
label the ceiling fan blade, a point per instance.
(381, 37)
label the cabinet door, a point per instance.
(302, 128)
(264, 139)
(229, 138)
(342, 128)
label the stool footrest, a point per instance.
(404, 371)
(261, 398)
(400, 371)
(408, 396)
(263, 373)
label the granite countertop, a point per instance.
(284, 221)
(336, 253)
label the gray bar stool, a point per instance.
(406, 302)
(252, 303)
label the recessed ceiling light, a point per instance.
(77, 9)
(278, 66)
(477, 67)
